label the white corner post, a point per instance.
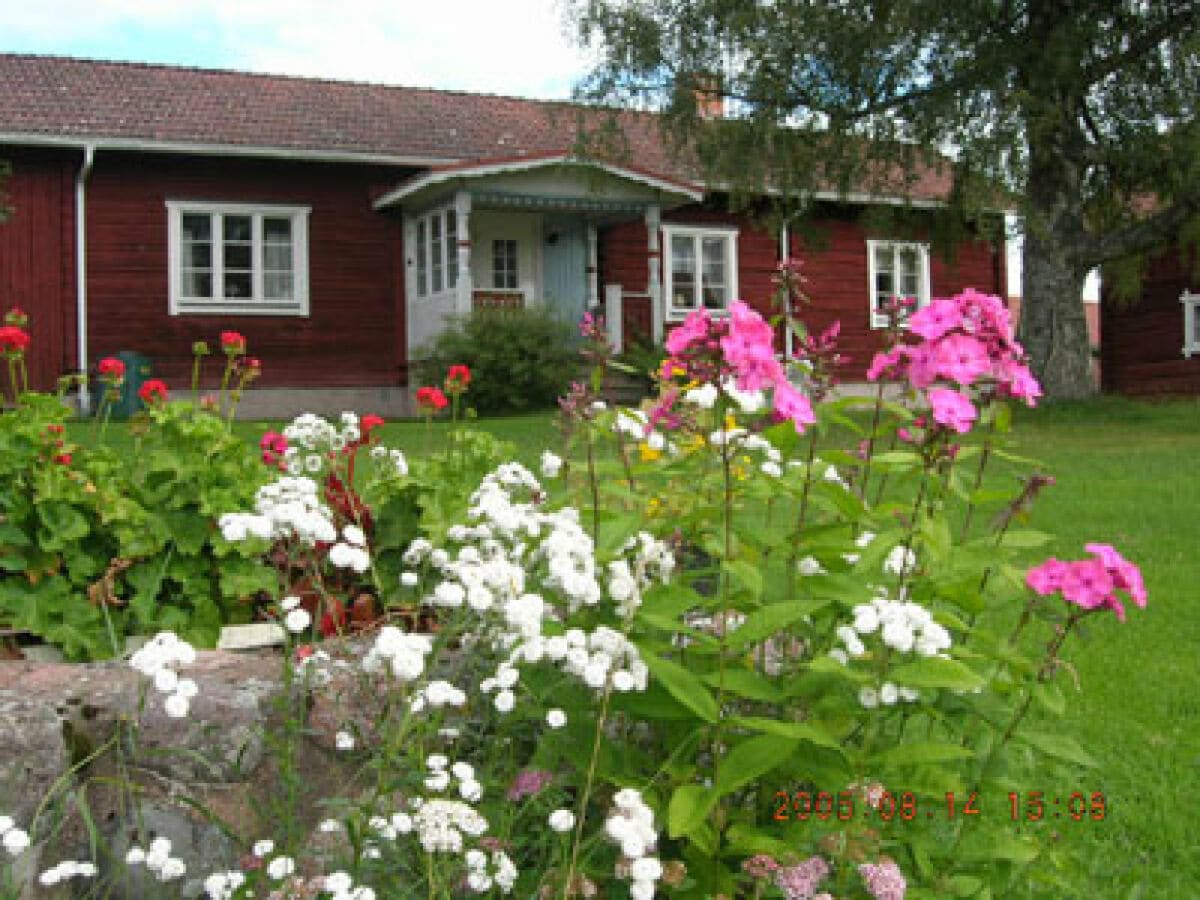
(613, 316)
(785, 256)
(465, 287)
(654, 276)
(81, 306)
(593, 274)
(1191, 329)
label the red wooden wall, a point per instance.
(836, 267)
(354, 332)
(37, 256)
(1141, 350)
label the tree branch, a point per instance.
(1147, 234)
(1176, 22)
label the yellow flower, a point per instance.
(648, 453)
(730, 422)
(653, 506)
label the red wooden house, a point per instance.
(337, 225)
(1152, 345)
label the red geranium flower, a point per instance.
(13, 339)
(233, 343)
(16, 316)
(153, 391)
(369, 422)
(63, 459)
(111, 368)
(431, 399)
(458, 378)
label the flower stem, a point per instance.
(585, 797)
(871, 440)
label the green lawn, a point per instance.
(1127, 475)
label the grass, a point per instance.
(1127, 475)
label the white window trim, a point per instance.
(878, 320)
(257, 305)
(670, 312)
(1191, 313)
(449, 251)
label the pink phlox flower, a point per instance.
(883, 880)
(789, 403)
(1018, 381)
(1087, 584)
(962, 358)
(694, 329)
(922, 364)
(528, 783)
(934, 320)
(952, 409)
(749, 347)
(662, 415)
(887, 363)
(800, 882)
(1125, 575)
(1047, 578)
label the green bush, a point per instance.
(520, 359)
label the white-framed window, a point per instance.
(1191, 323)
(700, 269)
(506, 274)
(896, 269)
(436, 252)
(248, 259)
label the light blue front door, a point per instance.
(565, 268)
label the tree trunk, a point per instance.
(1053, 321)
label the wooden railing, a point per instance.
(497, 300)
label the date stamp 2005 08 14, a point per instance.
(905, 806)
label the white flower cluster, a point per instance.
(289, 507)
(630, 826)
(157, 659)
(158, 859)
(480, 878)
(598, 659)
(223, 885)
(900, 561)
(438, 694)
(561, 820)
(441, 824)
(704, 396)
(551, 464)
(341, 886)
(65, 871)
(15, 840)
(442, 774)
(379, 453)
(863, 541)
(903, 627)
(631, 423)
(401, 653)
(313, 439)
(296, 618)
(628, 578)
(749, 402)
(351, 551)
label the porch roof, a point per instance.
(551, 181)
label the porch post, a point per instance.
(654, 279)
(613, 316)
(593, 277)
(465, 287)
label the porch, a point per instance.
(525, 233)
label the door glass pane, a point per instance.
(683, 271)
(504, 265)
(451, 248)
(435, 264)
(422, 272)
(714, 282)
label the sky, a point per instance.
(518, 47)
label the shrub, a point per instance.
(521, 359)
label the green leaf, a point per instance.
(801, 731)
(936, 672)
(63, 524)
(1025, 539)
(762, 623)
(923, 753)
(1051, 697)
(1059, 746)
(746, 683)
(752, 758)
(747, 576)
(997, 845)
(689, 808)
(683, 685)
(746, 840)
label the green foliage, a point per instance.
(520, 359)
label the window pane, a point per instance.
(197, 227)
(910, 272)
(277, 231)
(197, 256)
(683, 271)
(277, 257)
(422, 276)
(197, 284)
(237, 256)
(237, 228)
(504, 265)
(277, 286)
(714, 282)
(435, 239)
(451, 248)
(237, 284)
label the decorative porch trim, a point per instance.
(1191, 324)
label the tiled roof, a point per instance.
(57, 97)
